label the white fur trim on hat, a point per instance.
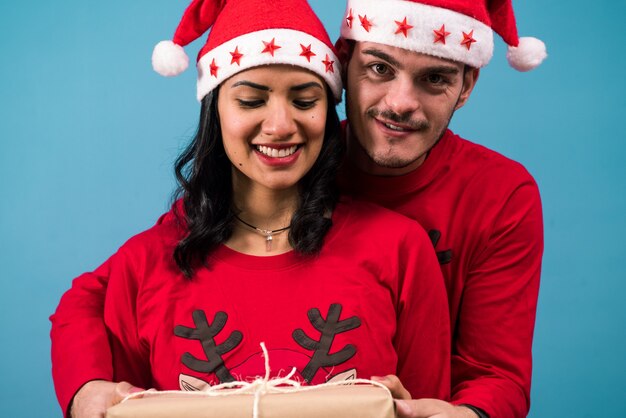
(387, 16)
(246, 51)
(169, 59)
(529, 54)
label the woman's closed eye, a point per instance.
(305, 104)
(250, 104)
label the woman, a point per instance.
(260, 248)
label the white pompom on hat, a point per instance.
(527, 55)
(246, 34)
(459, 30)
(169, 59)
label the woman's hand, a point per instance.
(95, 397)
(420, 408)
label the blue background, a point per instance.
(89, 132)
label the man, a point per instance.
(409, 65)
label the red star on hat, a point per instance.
(441, 34)
(329, 64)
(468, 40)
(350, 19)
(306, 52)
(270, 47)
(403, 27)
(367, 25)
(236, 56)
(214, 68)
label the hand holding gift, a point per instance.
(96, 396)
(420, 408)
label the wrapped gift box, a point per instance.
(346, 401)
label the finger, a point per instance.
(404, 410)
(394, 385)
(122, 390)
(425, 407)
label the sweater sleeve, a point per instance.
(130, 355)
(423, 325)
(80, 346)
(491, 358)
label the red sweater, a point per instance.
(483, 214)
(375, 293)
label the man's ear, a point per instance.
(470, 77)
(344, 49)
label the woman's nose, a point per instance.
(279, 122)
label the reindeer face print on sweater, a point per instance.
(316, 361)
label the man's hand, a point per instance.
(421, 408)
(95, 397)
(431, 408)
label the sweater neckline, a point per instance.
(375, 185)
(285, 260)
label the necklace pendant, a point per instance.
(267, 233)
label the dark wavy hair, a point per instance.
(204, 175)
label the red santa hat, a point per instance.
(459, 30)
(247, 34)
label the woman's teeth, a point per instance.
(276, 153)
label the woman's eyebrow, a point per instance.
(305, 86)
(251, 84)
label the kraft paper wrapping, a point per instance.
(345, 401)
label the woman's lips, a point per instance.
(278, 155)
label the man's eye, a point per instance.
(436, 79)
(380, 69)
(250, 104)
(304, 104)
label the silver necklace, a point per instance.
(267, 233)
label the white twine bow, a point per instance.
(258, 387)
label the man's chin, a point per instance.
(397, 164)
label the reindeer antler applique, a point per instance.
(205, 333)
(321, 349)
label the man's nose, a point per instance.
(279, 123)
(402, 97)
